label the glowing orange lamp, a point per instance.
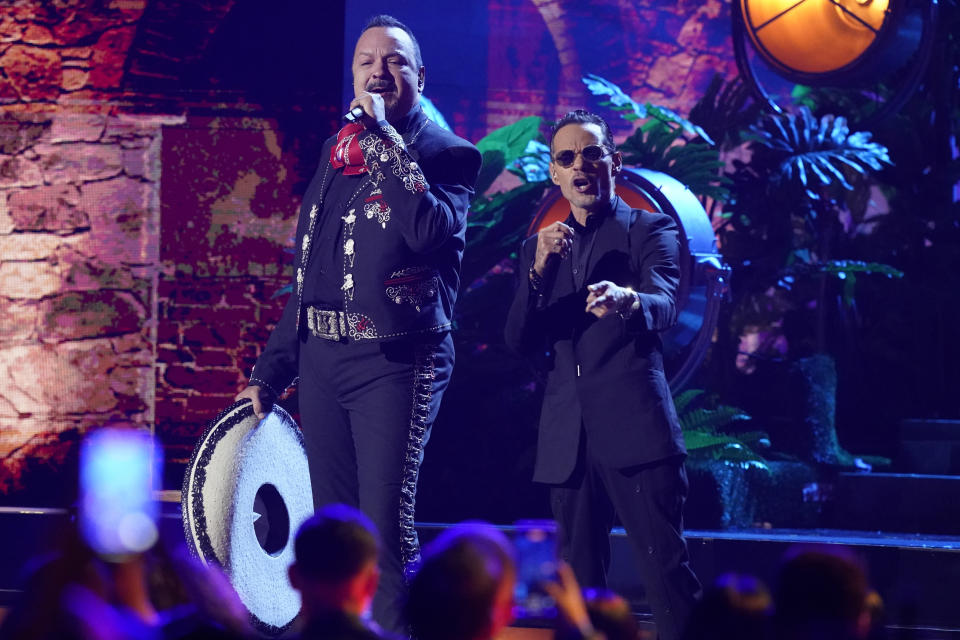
(832, 41)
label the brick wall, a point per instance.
(229, 216)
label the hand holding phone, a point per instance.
(117, 514)
(536, 546)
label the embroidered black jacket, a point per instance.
(400, 244)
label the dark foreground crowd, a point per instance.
(464, 590)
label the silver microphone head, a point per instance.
(354, 114)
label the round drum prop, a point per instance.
(703, 275)
(245, 493)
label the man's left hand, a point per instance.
(372, 105)
(606, 297)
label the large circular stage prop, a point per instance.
(860, 46)
(245, 493)
(703, 274)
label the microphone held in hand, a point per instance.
(353, 115)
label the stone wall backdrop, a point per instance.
(79, 221)
(79, 216)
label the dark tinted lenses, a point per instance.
(592, 153)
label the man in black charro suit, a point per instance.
(595, 293)
(379, 242)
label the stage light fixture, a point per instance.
(814, 38)
(855, 44)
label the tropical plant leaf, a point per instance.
(496, 225)
(726, 111)
(709, 420)
(837, 267)
(700, 431)
(668, 117)
(657, 147)
(695, 439)
(503, 146)
(682, 400)
(727, 449)
(632, 111)
(755, 439)
(737, 454)
(534, 164)
(619, 101)
(802, 263)
(817, 154)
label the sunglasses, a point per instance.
(591, 153)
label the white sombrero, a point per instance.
(245, 493)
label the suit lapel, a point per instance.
(611, 235)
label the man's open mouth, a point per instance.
(581, 184)
(380, 89)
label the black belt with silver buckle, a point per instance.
(326, 323)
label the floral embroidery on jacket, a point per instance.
(413, 285)
(375, 205)
(376, 149)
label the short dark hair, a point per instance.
(582, 116)
(820, 587)
(735, 607)
(383, 20)
(335, 544)
(453, 592)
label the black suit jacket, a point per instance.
(407, 222)
(604, 376)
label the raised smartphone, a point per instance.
(117, 512)
(535, 542)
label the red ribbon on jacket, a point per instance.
(346, 151)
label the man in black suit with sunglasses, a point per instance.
(596, 291)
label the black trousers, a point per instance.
(649, 502)
(367, 409)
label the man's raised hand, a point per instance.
(554, 240)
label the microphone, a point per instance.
(353, 115)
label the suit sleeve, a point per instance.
(428, 213)
(279, 362)
(656, 254)
(524, 332)
(277, 367)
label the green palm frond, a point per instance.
(801, 264)
(496, 225)
(701, 431)
(726, 449)
(683, 399)
(696, 164)
(503, 146)
(666, 142)
(725, 111)
(709, 420)
(619, 101)
(632, 111)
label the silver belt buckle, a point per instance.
(326, 324)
